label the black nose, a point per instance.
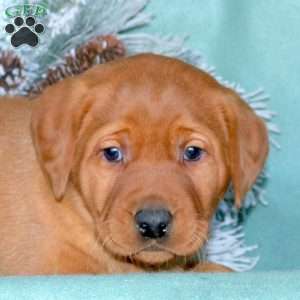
(153, 223)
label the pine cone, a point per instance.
(97, 51)
(11, 72)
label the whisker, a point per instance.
(96, 243)
(105, 240)
(194, 239)
(200, 234)
(92, 250)
(129, 212)
(176, 210)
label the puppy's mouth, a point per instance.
(153, 247)
(153, 254)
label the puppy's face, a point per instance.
(151, 169)
(151, 143)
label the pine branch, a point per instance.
(11, 71)
(97, 51)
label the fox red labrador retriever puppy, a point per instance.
(121, 169)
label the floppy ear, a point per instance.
(55, 123)
(247, 145)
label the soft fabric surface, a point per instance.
(255, 43)
(266, 286)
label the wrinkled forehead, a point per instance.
(153, 100)
(156, 94)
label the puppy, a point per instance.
(121, 169)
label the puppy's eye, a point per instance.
(192, 153)
(113, 154)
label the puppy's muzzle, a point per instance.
(153, 223)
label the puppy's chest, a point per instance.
(85, 254)
(76, 250)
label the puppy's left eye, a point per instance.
(192, 153)
(113, 154)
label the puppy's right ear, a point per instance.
(56, 120)
(247, 146)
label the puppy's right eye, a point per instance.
(113, 154)
(193, 153)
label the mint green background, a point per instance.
(255, 43)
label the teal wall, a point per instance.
(256, 43)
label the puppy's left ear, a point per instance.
(55, 123)
(247, 144)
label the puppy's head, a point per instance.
(151, 144)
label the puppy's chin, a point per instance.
(153, 257)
